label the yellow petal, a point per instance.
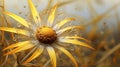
(29, 53)
(21, 48)
(52, 55)
(16, 45)
(59, 25)
(17, 18)
(75, 42)
(14, 30)
(76, 37)
(68, 54)
(52, 15)
(68, 28)
(37, 53)
(34, 12)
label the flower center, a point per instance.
(46, 35)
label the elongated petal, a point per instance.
(76, 37)
(59, 25)
(37, 53)
(52, 55)
(68, 28)
(34, 12)
(52, 16)
(21, 48)
(31, 51)
(68, 54)
(14, 30)
(17, 18)
(17, 45)
(75, 42)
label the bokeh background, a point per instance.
(101, 22)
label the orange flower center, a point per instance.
(46, 35)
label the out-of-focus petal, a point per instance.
(14, 30)
(68, 54)
(52, 55)
(76, 37)
(16, 45)
(63, 22)
(37, 53)
(52, 16)
(75, 42)
(21, 48)
(34, 12)
(68, 28)
(17, 18)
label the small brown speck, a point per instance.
(24, 6)
(25, 14)
(20, 12)
(36, 6)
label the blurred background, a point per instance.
(101, 22)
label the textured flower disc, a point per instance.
(46, 35)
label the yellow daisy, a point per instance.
(49, 36)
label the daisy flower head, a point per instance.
(42, 36)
